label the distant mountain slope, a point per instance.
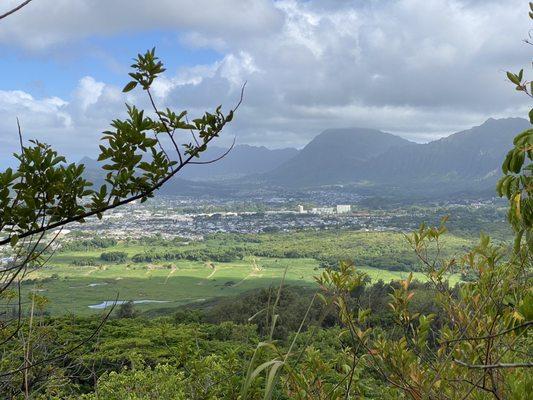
(367, 159)
(241, 160)
(176, 186)
(471, 158)
(335, 156)
(473, 154)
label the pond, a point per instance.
(109, 303)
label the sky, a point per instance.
(421, 69)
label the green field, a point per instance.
(72, 288)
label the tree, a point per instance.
(517, 182)
(126, 310)
(478, 346)
(44, 192)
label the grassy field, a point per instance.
(72, 288)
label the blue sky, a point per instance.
(421, 69)
(105, 58)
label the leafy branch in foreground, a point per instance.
(45, 193)
(517, 168)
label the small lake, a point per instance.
(109, 303)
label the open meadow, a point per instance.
(163, 274)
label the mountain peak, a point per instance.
(503, 121)
(353, 155)
(335, 155)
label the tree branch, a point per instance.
(494, 366)
(130, 199)
(14, 9)
(215, 159)
(524, 325)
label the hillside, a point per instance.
(467, 159)
(370, 160)
(240, 161)
(474, 154)
(335, 156)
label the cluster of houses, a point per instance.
(338, 209)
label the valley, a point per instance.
(223, 249)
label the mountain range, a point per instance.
(367, 159)
(241, 161)
(469, 159)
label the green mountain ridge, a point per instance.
(467, 159)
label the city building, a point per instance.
(323, 210)
(343, 209)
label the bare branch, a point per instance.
(14, 9)
(494, 366)
(216, 159)
(167, 129)
(524, 325)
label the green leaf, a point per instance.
(513, 78)
(14, 240)
(130, 86)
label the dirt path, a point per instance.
(213, 267)
(256, 273)
(173, 270)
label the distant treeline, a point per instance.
(89, 244)
(114, 256)
(218, 255)
(383, 250)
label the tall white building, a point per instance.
(343, 208)
(301, 209)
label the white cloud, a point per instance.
(42, 24)
(420, 68)
(73, 127)
(235, 68)
(89, 91)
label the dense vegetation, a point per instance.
(114, 256)
(190, 353)
(345, 339)
(384, 250)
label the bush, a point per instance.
(114, 256)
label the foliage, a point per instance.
(126, 310)
(88, 244)
(384, 250)
(474, 340)
(114, 256)
(44, 192)
(517, 182)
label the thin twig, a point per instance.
(14, 9)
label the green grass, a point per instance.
(179, 282)
(185, 282)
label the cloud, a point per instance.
(74, 127)
(89, 91)
(42, 24)
(419, 68)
